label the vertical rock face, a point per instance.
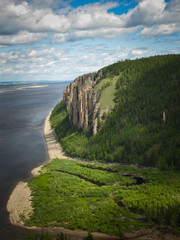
(81, 101)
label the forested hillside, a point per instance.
(144, 125)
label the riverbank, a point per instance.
(53, 147)
(19, 204)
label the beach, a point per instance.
(19, 203)
(53, 147)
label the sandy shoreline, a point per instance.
(19, 203)
(53, 147)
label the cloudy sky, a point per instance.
(60, 40)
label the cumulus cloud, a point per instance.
(15, 18)
(37, 17)
(156, 17)
(147, 13)
(107, 33)
(160, 30)
(22, 37)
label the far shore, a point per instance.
(22, 88)
(19, 204)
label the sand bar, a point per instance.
(22, 88)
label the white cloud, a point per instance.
(57, 63)
(156, 17)
(30, 61)
(160, 30)
(108, 33)
(94, 16)
(139, 52)
(22, 37)
(15, 18)
(23, 22)
(147, 12)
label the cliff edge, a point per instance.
(81, 100)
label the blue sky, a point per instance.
(59, 40)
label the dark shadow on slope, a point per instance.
(82, 177)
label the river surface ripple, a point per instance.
(22, 144)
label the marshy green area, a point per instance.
(101, 198)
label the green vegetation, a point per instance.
(67, 194)
(134, 131)
(107, 90)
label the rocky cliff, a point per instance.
(81, 101)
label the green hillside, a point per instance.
(118, 199)
(136, 93)
(107, 87)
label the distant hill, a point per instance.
(128, 112)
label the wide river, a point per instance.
(22, 144)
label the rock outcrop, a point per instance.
(81, 101)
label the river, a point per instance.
(22, 144)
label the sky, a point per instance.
(58, 40)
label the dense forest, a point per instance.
(144, 125)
